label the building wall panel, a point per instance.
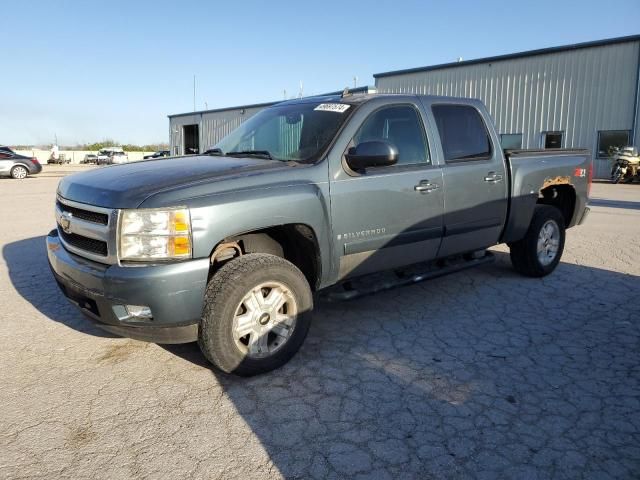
(579, 92)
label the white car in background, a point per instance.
(119, 157)
(105, 156)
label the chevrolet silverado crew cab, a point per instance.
(229, 248)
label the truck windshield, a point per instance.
(298, 132)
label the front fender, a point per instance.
(234, 213)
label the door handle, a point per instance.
(425, 187)
(493, 177)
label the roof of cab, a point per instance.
(325, 97)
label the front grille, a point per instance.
(97, 247)
(95, 217)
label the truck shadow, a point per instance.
(481, 371)
(624, 204)
(473, 372)
(29, 273)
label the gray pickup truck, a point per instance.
(228, 248)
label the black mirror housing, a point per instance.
(375, 153)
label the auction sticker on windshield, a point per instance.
(332, 107)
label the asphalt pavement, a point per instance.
(480, 374)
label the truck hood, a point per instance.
(128, 185)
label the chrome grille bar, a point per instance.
(81, 227)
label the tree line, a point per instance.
(127, 147)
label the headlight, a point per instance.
(155, 234)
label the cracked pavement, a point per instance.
(480, 374)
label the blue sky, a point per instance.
(88, 70)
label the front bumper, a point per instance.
(174, 292)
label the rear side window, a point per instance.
(400, 126)
(463, 134)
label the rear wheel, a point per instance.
(19, 172)
(539, 252)
(256, 315)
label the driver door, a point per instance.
(387, 217)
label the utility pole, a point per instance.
(355, 81)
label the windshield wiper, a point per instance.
(253, 153)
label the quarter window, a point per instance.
(463, 134)
(400, 126)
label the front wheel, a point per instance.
(539, 252)
(257, 312)
(616, 174)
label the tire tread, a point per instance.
(523, 252)
(220, 288)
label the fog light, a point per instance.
(128, 313)
(141, 312)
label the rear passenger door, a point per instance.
(474, 177)
(386, 217)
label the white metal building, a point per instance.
(194, 132)
(576, 96)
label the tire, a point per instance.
(225, 305)
(526, 257)
(19, 172)
(616, 174)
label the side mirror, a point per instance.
(372, 154)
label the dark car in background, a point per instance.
(17, 166)
(158, 154)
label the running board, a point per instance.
(370, 284)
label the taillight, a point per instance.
(589, 178)
(35, 160)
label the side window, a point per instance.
(401, 126)
(463, 134)
(4, 155)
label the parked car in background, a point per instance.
(90, 158)
(59, 159)
(17, 166)
(119, 157)
(158, 154)
(104, 155)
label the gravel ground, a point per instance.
(481, 374)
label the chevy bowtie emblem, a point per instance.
(65, 222)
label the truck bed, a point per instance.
(533, 171)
